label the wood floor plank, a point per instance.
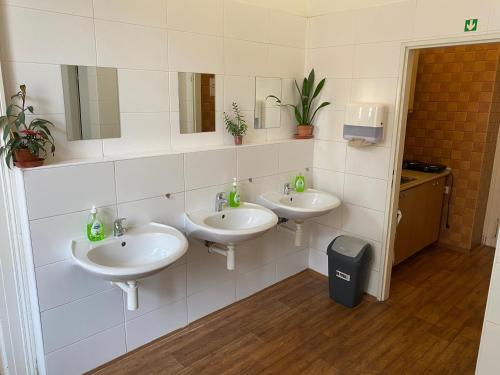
(430, 325)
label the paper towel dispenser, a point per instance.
(364, 122)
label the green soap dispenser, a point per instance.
(95, 228)
(300, 183)
(234, 195)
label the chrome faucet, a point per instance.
(118, 229)
(287, 188)
(220, 200)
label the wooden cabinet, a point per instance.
(421, 207)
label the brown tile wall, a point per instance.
(455, 122)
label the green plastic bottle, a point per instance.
(95, 228)
(234, 195)
(300, 183)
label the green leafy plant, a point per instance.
(304, 110)
(17, 135)
(236, 126)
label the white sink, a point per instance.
(300, 206)
(140, 252)
(231, 225)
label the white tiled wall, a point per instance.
(356, 45)
(84, 320)
(146, 40)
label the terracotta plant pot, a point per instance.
(238, 140)
(305, 131)
(23, 158)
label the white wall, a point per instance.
(147, 40)
(357, 46)
(84, 320)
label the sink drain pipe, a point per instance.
(132, 291)
(298, 232)
(228, 252)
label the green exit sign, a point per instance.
(470, 25)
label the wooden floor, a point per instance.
(430, 325)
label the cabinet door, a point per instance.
(421, 208)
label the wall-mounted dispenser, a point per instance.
(364, 123)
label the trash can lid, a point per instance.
(348, 246)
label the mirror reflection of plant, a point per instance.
(237, 125)
(17, 135)
(304, 110)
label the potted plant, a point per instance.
(305, 113)
(24, 145)
(236, 126)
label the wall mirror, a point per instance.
(196, 102)
(267, 112)
(90, 102)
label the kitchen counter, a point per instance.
(417, 178)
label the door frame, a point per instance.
(398, 139)
(491, 220)
(19, 352)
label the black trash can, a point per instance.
(348, 259)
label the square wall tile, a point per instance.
(208, 168)
(202, 17)
(385, 23)
(140, 133)
(245, 58)
(20, 43)
(323, 30)
(330, 155)
(329, 126)
(161, 289)
(155, 324)
(257, 161)
(377, 60)
(368, 161)
(251, 282)
(337, 91)
(43, 82)
(318, 261)
(287, 29)
(239, 89)
(149, 177)
(329, 181)
(195, 53)
(137, 85)
(246, 21)
(210, 300)
(365, 191)
(331, 62)
(322, 235)
(295, 155)
(203, 199)
(292, 265)
(162, 210)
(142, 12)
(67, 324)
(51, 236)
(87, 354)
(55, 191)
(130, 46)
(363, 221)
(64, 282)
(287, 62)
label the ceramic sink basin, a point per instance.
(300, 206)
(231, 225)
(141, 252)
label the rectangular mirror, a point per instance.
(267, 111)
(90, 102)
(196, 102)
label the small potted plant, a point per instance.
(305, 113)
(236, 126)
(24, 145)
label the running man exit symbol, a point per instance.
(470, 25)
